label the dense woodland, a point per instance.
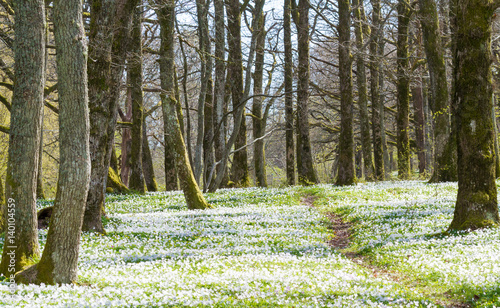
(129, 96)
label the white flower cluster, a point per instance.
(257, 248)
(401, 225)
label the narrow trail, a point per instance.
(343, 232)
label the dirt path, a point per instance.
(343, 231)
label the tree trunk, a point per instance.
(366, 145)
(497, 146)
(172, 130)
(239, 170)
(257, 117)
(203, 42)
(220, 82)
(476, 205)
(307, 174)
(444, 165)
(21, 244)
(147, 162)
(40, 194)
(136, 181)
(59, 261)
(108, 38)
(346, 174)
(186, 103)
(403, 89)
(418, 106)
(289, 126)
(126, 144)
(377, 120)
(208, 139)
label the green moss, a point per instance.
(115, 183)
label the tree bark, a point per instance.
(259, 128)
(203, 42)
(307, 174)
(136, 181)
(172, 130)
(289, 123)
(444, 163)
(418, 106)
(346, 173)
(403, 91)
(40, 194)
(239, 174)
(476, 205)
(126, 144)
(58, 264)
(147, 162)
(21, 244)
(109, 33)
(366, 145)
(377, 120)
(220, 82)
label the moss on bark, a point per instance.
(476, 205)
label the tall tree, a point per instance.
(289, 148)
(239, 169)
(24, 137)
(444, 142)
(110, 27)
(418, 111)
(60, 256)
(366, 146)
(136, 181)
(403, 91)
(257, 116)
(220, 83)
(377, 119)
(307, 174)
(205, 75)
(171, 127)
(476, 205)
(346, 175)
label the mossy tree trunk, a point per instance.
(258, 121)
(444, 146)
(136, 181)
(110, 27)
(377, 120)
(59, 261)
(147, 162)
(306, 172)
(346, 173)
(366, 145)
(476, 205)
(24, 137)
(172, 130)
(289, 127)
(403, 91)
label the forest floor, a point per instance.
(369, 245)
